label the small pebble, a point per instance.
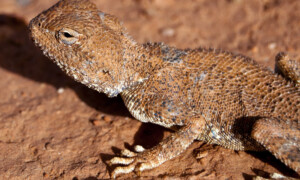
(168, 32)
(272, 46)
(60, 90)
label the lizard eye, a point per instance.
(68, 36)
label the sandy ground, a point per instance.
(54, 128)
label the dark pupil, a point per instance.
(67, 35)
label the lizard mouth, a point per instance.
(40, 39)
(43, 49)
(36, 31)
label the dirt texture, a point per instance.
(52, 127)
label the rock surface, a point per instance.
(54, 128)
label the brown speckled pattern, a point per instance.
(290, 68)
(213, 95)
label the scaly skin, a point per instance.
(213, 95)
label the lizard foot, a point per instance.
(169, 148)
(136, 161)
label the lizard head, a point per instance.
(84, 42)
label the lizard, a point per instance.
(205, 94)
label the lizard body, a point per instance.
(212, 95)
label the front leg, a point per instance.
(169, 148)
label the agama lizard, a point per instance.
(211, 95)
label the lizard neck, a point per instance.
(146, 59)
(138, 63)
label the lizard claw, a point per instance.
(134, 161)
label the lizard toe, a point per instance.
(134, 162)
(121, 160)
(139, 148)
(131, 165)
(128, 153)
(122, 170)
